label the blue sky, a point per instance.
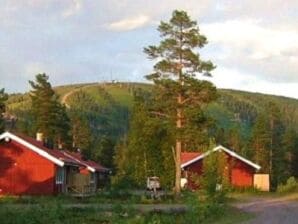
(253, 43)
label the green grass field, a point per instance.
(62, 209)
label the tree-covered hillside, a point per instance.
(232, 107)
(102, 112)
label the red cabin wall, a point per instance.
(23, 171)
(192, 172)
(84, 171)
(240, 174)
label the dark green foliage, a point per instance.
(290, 147)
(61, 126)
(43, 100)
(49, 116)
(201, 210)
(214, 181)
(98, 122)
(174, 73)
(149, 146)
(178, 93)
(289, 187)
(261, 143)
(277, 161)
(81, 133)
(3, 98)
(104, 151)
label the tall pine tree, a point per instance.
(261, 142)
(278, 166)
(145, 154)
(50, 117)
(178, 63)
(290, 147)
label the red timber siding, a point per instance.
(84, 171)
(191, 172)
(23, 171)
(240, 174)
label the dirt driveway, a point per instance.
(271, 210)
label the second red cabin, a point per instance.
(240, 171)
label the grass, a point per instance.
(106, 197)
(122, 210)
(56, 213)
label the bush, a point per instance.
(290, 186)
(201, 208)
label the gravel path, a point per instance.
(64, 98)
(271, 210)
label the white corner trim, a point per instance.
(32, 147)
(219, 148)
(91, 169)
(234, 154)
(195, 159)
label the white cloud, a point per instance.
(234, 79)
(250, 35)
(254, 47)
(129, 23)
(32, 69)
(73, 9)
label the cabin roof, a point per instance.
(59, 157)
(188, 158)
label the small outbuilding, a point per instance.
(239, 170)
(28, 167)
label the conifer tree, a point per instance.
(261, 142)
(144, 154)
(61, 126)
(234, 139)
(43, 100)
(3, 98)
(81, 133)
(277, 156)
(50, 116)
(290, 147)
(178, 64)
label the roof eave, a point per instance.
(32, 147)
(220, 147)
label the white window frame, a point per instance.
(92, 178)
(60, 175)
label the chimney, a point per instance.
(39, 136)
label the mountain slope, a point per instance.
(232, 107)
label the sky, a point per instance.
(253, 43)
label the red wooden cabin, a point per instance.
(240, 171)
(28, 167)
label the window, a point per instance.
(92, 178)
(60, 175)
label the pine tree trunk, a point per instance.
(178, 168)
(178, 149)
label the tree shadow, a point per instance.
(20, 174)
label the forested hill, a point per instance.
(107, 106)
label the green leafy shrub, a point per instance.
(290, 186)
(201, 208)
